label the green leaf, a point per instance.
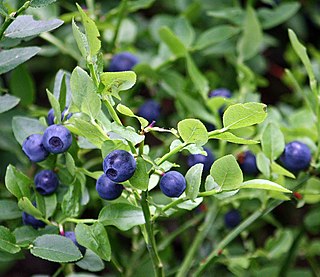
(17, 183)
(81, 85)
(281, 13)
(41, 3)
(71, 202)
(184, 31)
(280, 244)
(25, 235)
(198, 79)
(95, 238)
(263, 164)
(23, 127)
(127, 133)
(92, 32)
(70, 164)
(55, 248)
(56, 106)
(278, 169)
(25, 26)
(123, 216)
(272, 141)
(91, 262)
(61, 89)
(8, 241)
(227, 173)
(140, 178)
(81, 40)
(172, 41)
(22, 85)
(193, 131)
(26, 205)
(243, 115)
(126, 111)
(91, 105)
(193, 178)
(7, 102)
(9, 59)
(111, 145)
(215, 35)
(263, 184)
(251, 40)
(117, 81)
(47, 204)
(227, 136)
(9, 210)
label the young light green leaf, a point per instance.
(24, 126)
(91, 105)
(81, 85)
(172, 41)
(278, 169)
(26, 205)
(17, 183)
(25, 26)
(227, 136)
(193, 178)
(263, 184)
(127, 133)
(123, 216)
(71, 202)
(8, 241)
(41, 3)
(184, 31)
(126, 111)
(92, 32)
(95, 238)
(55, 248)
(250, 42)
(81, 40)
(263, 164)
(243, 115)
(7, 102)
(193, 131)
(91, 262)
(272, 141)
(9, 210)
(140, 178)
(9, 59)
(56, 106)
(215, 35)
(117, 81)
(227, 173)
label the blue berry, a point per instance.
(108, 189)
(46, 182)
(220, 92)
(29, 219)
(123, 62)
(207, 161)
(247, 163)
(119, 165)
(296, 156)
(150, 110)
(173, 184)
(71, 235)
(57, 139)
(33, 147)
(50, 117)
(232, 219)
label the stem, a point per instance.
(76, 220)
(171, 153)
(116, 264)
(122, 10)
(59, 270)
(112, 111)
(314, 266)
(201, 235)
(9, 19)
(68, 269)
(151, 243)
(93, 74)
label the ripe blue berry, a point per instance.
(108, 189)
(71, 235)
(150, 110)
(220, 92)
(207, 161)
(123, 62)
(46, 182)
(57, 139)
(296, 156)
(232, 219)
(50, 117)
(119, 165)
(28, 219)
(247, 163)
(33, 147)
(173, 184)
